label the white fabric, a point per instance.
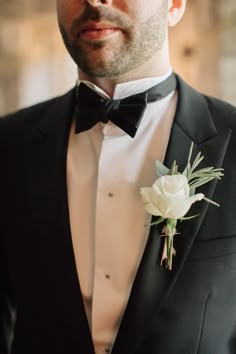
(105, 170)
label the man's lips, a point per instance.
(96, 31)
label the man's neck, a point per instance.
(152, 68)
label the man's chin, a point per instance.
(98, 71)
(105, 66)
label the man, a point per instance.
(80, 266)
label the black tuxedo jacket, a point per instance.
(191, 310)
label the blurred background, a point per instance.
(34, 65)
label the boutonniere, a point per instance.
(172, 195)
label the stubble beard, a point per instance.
(133, 48)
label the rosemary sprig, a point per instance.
(202, 176)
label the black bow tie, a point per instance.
(126, 113)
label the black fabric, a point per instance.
(125, 113)
(187, 311)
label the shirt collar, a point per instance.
(129, 88)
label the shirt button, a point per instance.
(104, 120)
(108, 276)
(110, 194)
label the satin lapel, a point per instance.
(45, 163)
(153, 283)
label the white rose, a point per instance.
(169, 197)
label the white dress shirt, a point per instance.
(105, 170)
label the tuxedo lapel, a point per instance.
(45, 163)
(193, 123)
(153, 283)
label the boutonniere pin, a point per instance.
(172, 195)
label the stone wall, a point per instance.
(34, 65)
(227, 62)
(195, 47)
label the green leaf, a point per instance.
(197, 161)
(189, 217)
(173, 169)
(158, 221)
(211, 202)
(161, 170)
(190, 153)
(200, 182)
(207, 172)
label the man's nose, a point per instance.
(96, 3)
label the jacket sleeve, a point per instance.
(6, 309)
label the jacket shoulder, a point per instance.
(222, 113)
(29, 116)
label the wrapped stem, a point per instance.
(169, 251)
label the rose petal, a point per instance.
(169, 197)
(146, 194)
(151, 209)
